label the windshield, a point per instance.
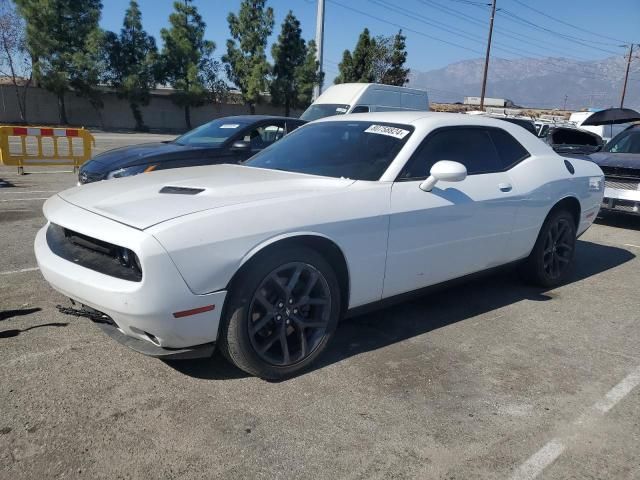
(628, 142)
(321, 110)
(355, 150)
(211, 134)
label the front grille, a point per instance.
(621, 183)
(94, 254)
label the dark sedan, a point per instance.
(224, 140)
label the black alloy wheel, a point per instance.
(550, 261)
(289, 314)
(281, 312)
(558, 248)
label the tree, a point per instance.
(15, 62)
(379, 60)
(396, 74)
(345, 69)
(186, 61)
(295, 68)
(132, 58)
(89, 70)
(62, 37)
(308, 75)
(246, 62)
(358, 67)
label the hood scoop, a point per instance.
(181, 190)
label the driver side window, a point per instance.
(627, 144)
(264, 135)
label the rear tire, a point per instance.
(281, 313)
(551, 259)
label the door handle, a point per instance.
(505, 187)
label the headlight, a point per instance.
(128, 171)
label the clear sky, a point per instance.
(439, 32)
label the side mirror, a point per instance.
(446, 171)
(240, 146)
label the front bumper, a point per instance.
(621, 200)
(151, 350)
(143, 310)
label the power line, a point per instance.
(501, 30)
(523, 21)
(408, 29)
(397, 25)
(568, 24)
(518, 19)
(510, 50)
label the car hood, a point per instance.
(623, 160)
(141, 154)
(138, 201)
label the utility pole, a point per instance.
(564, 107)
(626, 76)
(486, 60)
(319, 43)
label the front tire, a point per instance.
(551, 259)
(281, 313)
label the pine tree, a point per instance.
(358, 67)
(308, 75)
(63, 39)
(186, 57)
(396, 73)
(132, 60)
(363, 56)
(345, 69)
(295, 68)
(246, 62)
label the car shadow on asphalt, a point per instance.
(428, 312)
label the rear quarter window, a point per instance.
(510, 151)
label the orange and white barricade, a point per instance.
(45, 146)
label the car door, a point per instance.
(457, 228)
(258, 138)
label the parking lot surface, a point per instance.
(488, 379)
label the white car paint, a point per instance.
(394, 236)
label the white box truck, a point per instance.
(365, 97)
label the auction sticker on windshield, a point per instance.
(386, 130)
(230, 125)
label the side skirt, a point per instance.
(403, 297)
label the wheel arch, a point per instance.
(570, 203)
(324, 245)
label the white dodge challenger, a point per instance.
(263, 259)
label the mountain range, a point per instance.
(533, 82)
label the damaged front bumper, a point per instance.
(108, 326)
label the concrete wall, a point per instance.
(161, 114)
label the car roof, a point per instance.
(428, 121)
